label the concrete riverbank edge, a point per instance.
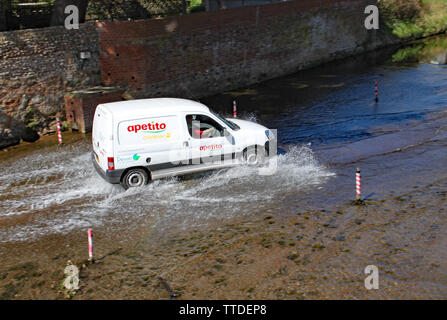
(188, 56)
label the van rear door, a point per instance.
(102, 136)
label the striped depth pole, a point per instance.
(90, 245)
(234, 110)
(59, 132)
(377, 90)
(358, 184)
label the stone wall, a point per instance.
(38, 66)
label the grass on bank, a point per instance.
(414, 18)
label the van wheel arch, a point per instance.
(259, 156)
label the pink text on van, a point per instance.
(149, 126)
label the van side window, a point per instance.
(202, 127)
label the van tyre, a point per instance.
(253, 156)
(134, 178)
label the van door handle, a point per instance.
(186, 144)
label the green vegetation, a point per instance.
(414, 18)
(408, 54)
(425, 50)
(196, 6)
(140, 9)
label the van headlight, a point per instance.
(269, 134)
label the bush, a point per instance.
(406, 10)
(116, 10)
(198, 8)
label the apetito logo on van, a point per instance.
(148, 128)
(211, 147)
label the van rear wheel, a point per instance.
(134, 178)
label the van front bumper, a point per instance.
(111, 176)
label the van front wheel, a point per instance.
(253, 156)
(134, 178)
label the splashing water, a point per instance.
(57, 192)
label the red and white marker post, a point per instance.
(234, 110)
(377, 90)
(358, 184)
(59, 131)
(90, 245)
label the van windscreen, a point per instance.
(229, 123)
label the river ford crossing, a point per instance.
(232, 234)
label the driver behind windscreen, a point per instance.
(195, 130)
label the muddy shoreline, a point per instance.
(272, 254)
(310, 255)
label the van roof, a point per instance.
(143, 107)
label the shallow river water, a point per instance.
(236, 234)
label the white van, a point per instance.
(137, 141)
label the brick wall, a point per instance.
(80, 105)
(205, 53)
